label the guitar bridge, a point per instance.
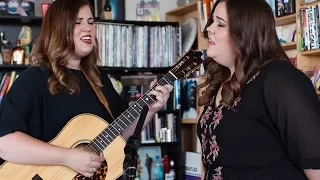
(100, 174)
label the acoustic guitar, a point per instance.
(100, 137)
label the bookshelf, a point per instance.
(315, 52)
(285, 19)
(18, 20)
(163, 144)
(182, 14)
(111, 70)
(307, 60)
(306, 5)
(289, 45)
(138, 23)
(11, 67)
(12, 26)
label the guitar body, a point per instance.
(78, 132)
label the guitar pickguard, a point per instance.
(100, 174)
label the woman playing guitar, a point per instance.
(57, 87)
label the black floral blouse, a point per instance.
(272, 131)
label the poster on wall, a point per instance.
(109, 9)
(148, 10)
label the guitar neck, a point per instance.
(105, 138)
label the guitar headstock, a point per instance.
(187, 64)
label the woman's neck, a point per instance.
(74, 64)
(231, 73)
(232, 70)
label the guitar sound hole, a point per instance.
(85, 146)
(100, 174)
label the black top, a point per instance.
(29, 107)
(272, 133)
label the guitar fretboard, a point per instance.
(100, 142)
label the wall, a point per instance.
(165, 6)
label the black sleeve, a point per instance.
(18, 105)
(294, 109)
(116, 103)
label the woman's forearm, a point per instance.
(130, 129)
(20, 148)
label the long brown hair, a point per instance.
(55, 45)
(252, 30)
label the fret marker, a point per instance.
(147, 99)
(128, 115)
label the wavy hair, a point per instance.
(252, 30)
(55, 45)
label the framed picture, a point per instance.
(109, 9)
(147, 159)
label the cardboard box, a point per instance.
(17, 8)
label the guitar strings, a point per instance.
(62, 171)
